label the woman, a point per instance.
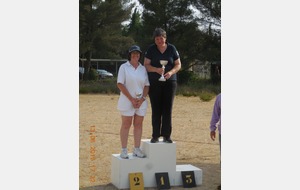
(134, 86)
(162, 93)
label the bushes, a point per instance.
(184, 77)
(103, 86)
(189, 85)
(93, 74)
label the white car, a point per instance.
(81, 70)
(104, 74)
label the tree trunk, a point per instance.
(87, 65)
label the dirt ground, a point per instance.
(99, 126)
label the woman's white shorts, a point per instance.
(131, 112)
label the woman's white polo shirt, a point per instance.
(134, 80)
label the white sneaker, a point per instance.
(124, 154)
(138, 153)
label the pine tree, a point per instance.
(100, 29)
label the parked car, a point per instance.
(81, 70)
(104, 74)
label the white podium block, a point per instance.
(188, 167)
(160, 157)
(120, 169)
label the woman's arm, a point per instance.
(150, 68)
(175, 69)
(124, 90)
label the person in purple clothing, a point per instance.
(215, 121)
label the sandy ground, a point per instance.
(99, 126)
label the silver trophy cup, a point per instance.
(163, 63)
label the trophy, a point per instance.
(163, 63)
(138, 95)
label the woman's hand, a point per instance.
(139, 102)
(160, 70)
(168, 75)
(134, 102)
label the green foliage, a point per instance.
(185, 77)
(100, 29)
(190, 84)
(206, 96)
(93, 74)
(211, 9)
(202, 88)
(103, 86)
(102, 34)
(182, 27)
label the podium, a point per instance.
(160, 157)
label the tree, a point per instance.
(210, 13)
(100, 29)
(196, 36)
(210, 47)
(174, 16)
(185, 28)
(134, 28)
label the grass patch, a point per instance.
(205, 89)
(206, 96)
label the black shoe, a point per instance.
(167, 140)
(154, 140)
